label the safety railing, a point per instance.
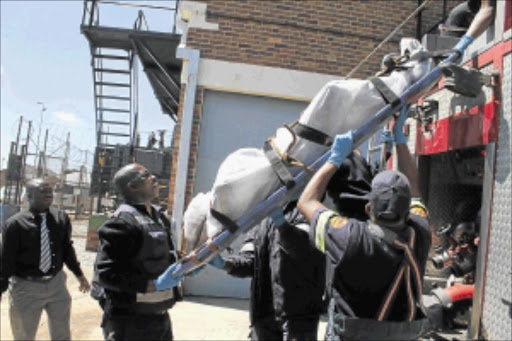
(91, 12)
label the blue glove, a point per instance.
(166, 281)
(463, 43)
(341, 147)
(387, 138)
(277, 217)
(218, 262)
(398, 129)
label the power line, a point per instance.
(423, 5)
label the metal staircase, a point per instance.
(115, 53)
(113, 90)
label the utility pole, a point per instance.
(64, 171)
(78, 208)
(43, 109)
(12, 162)
(22, 176)
(18, 135)
(41, 167)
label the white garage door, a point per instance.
(229, 122)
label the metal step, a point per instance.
(124, 85)
(111, 56)
(112, 71)
(115, 134)
(115, 122)
(121, 98)
(114, 110)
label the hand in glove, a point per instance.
(387, 138)
(277, 217)
(166, 281)
(218, 262)
(341, 147)
(398, 130)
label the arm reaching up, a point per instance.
(406, 163)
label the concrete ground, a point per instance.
(194, 318)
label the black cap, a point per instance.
(390, 197)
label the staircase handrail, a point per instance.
(91, 8)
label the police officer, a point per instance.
(135, 262)
(288, 277)
(377, 264)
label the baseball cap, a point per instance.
(390, 197)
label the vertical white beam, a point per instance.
(191, 61)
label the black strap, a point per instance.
(386, 93)
(278, 166)
(312, 134)
(229, 224)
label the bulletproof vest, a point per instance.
(153, 258)
(376, 286)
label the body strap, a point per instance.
(278, 166)
(229, 224)
(387, 94)
(312, 134)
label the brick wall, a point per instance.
(194, 144)
(329, 37)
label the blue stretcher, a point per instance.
(204, 253)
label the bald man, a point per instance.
(135, 262)
(36, 244)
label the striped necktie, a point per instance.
(45, 259)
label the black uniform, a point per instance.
(288, 280)
(135, 247)
(369, 297)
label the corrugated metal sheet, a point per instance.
(497, 309)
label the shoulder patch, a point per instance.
(418, 208)
(338, 222)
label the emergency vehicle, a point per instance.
(462, 141)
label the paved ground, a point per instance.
(195, 318)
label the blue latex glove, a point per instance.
(277, 217)
(341, 147)
(388, 139)
(463, 43)
(218, 262)
(166, 281)
(398, 129)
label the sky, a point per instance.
(44, 58)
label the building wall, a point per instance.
(194, 143)
(318, 36)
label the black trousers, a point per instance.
(268, 329)
(137, 327)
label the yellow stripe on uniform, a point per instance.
(418, 208)
(321, 223)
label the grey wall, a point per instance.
(232, 121)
